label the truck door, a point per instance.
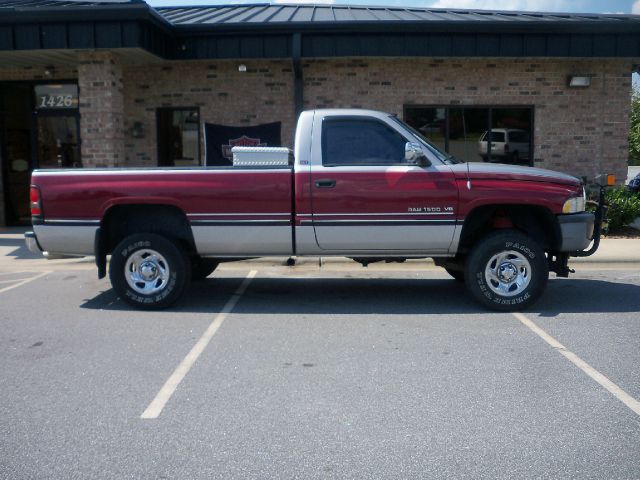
(366, 197)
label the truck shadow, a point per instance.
(359, 296)
(19, 248)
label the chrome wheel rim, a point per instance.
(147, 272)
(508, 273)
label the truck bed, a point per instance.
(232, 211)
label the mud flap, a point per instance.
(100, 253)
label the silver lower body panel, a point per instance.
(243, 241)
(423, 246)
(419, 238)
(66, 240)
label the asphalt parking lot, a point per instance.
(266, 371)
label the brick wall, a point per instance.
(262, 94)
(101, 109)
(580, 131)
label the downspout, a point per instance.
(298, 105)
(298, 83)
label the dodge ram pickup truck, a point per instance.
(361, 184)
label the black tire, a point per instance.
(164, 289)
(201, 268)
(515, 158)
(457, 275)
(522, 257)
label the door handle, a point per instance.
(325, 183)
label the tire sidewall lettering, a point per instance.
(126, 252)
(521, 248)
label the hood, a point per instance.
(480, 170)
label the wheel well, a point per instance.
(166, 220)
(537, 222)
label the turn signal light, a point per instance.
(34, 201)
(606, 180)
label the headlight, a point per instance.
(575, 204)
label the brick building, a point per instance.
(120, 84)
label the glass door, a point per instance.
(57, 143)
(38, 129)
(15, 144)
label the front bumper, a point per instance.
(576, 230)
(32, 243)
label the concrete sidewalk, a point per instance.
(14, 255)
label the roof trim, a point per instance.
(263, 30)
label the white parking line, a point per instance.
(23, 282)
(155, 407)
(614, 389)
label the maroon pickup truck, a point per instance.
(361, 184)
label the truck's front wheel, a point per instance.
(149, 271)
(506, 271)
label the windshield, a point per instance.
(440, 155)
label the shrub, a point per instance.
(634, 130)
(624, 207)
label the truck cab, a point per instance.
(359, 192)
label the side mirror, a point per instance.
(413, 154)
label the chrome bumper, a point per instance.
(34, 247)
(577, 231)
(32, 243)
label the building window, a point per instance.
(463, 131)
(178, 137)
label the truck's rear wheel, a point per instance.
(506, 271)
(149, 271)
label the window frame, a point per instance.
(358, 118)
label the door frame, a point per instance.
(33, 160)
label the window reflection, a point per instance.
(178, 137)
(464, 131)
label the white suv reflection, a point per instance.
(508, 145)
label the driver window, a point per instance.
(354, 141)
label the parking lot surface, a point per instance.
(332, 372)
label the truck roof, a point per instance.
(350, 111)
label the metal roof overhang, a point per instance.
(118, 26)
(138, 26)
(407, 39)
